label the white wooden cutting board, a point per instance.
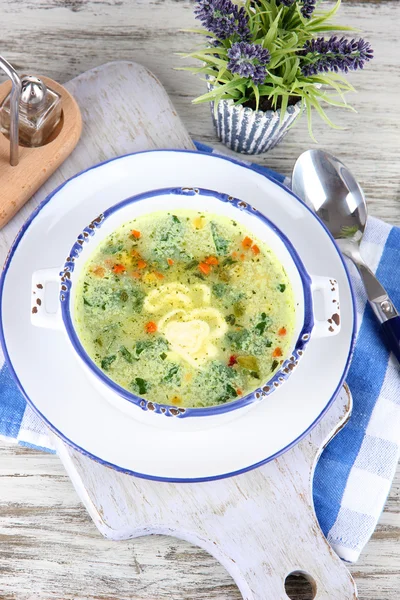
(260, 525)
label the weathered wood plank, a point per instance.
(368, 1)
(64, 38)
(49, 548)
(259, 525)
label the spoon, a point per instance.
(328, 187)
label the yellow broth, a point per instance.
(187, 309)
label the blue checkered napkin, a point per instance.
(354, 473)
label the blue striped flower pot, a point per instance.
(249, 131)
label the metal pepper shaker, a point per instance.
(39, 112)
(41, 115)
(39, 109)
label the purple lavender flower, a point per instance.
(249, 60)
(321, 55)
(307, 6)
(242, 27)
(223, 18)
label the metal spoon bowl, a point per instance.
(328, 187)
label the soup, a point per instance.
(185, 309)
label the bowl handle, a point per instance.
(40, 316)
(326, 309)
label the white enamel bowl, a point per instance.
(46, 368)
(170, 417)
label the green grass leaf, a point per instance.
(292, 68)
(331, 100)
(212, 60)
(309, 118)
(342, 79)
(257, 96)
(265, 90)
(315, 103)
(272, 31)
(200, 31)
(334, 27)
(217, 93)
(326, 16)
(328, 81)
(284, 105)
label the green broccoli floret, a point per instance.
(140, 386)
(218, 384)
(221, 244)
(229, 295)
(114, 296)
(150, 349)
(251, 341)
(168, 240)
(173, 375)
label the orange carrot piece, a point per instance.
(151, 327)
(204, 268)
(99, 271)
(136, 234)
(135, 253)
(170, 262)
(136, 275)
(211, 260)
(119, 268)
(234, 254)
(255, 249)
(239, 392)
(159, 275)
(247, 242)
(277, 352)
(141, 264)
(282, 331)
(242, 257)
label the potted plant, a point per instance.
(266, 63)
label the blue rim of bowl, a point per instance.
(249, 167)
(286, 368)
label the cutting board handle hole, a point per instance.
(299, 585)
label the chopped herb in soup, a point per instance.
(186, 309)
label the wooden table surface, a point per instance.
(49, 548)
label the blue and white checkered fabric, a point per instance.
(354, 473)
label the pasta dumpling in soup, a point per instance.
(185, 309)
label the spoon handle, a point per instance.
(383, 308)
(391, 331)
